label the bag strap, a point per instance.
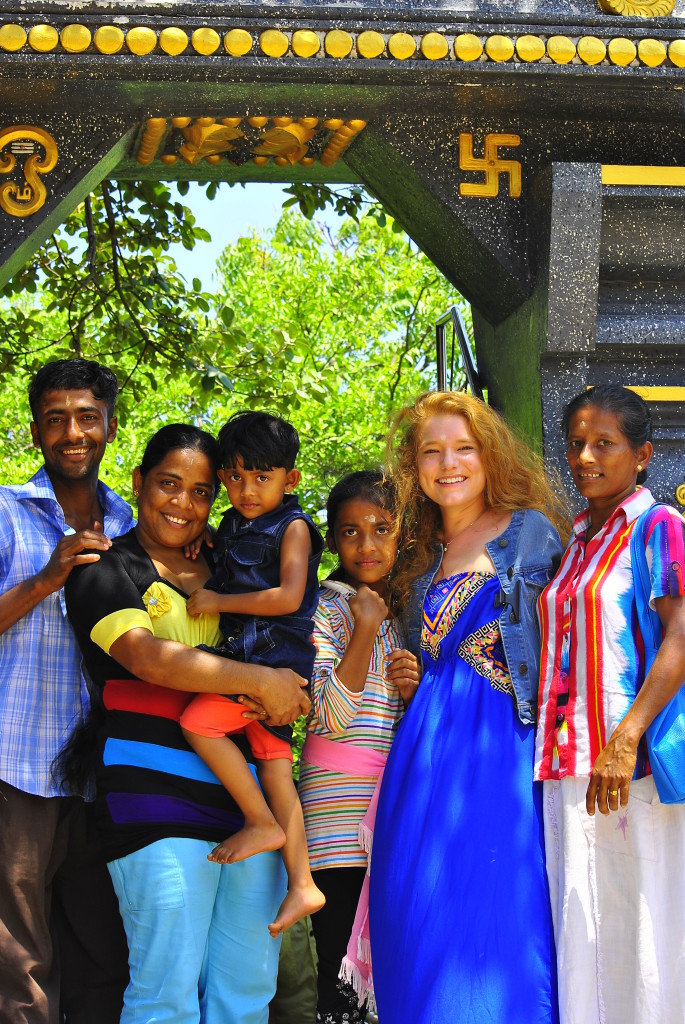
(648, 620)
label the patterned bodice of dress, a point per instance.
(460, 620)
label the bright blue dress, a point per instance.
(461, 930)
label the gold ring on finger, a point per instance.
(613, 792)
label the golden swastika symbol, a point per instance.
(490, 165)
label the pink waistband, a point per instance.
(347, 758)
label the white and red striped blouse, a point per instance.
(592, 661)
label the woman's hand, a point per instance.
(612, 773)
(403, 671)
(614, 767)
(369, 607)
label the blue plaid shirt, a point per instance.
(43, 690)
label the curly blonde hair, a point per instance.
(515, 478)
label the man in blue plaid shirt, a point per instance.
(53, 887)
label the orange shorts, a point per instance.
(210, 714)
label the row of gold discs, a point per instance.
(238, 42)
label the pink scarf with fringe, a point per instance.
(350, 759)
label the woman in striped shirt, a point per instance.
(618, 899)
(361, 683)
(199, 948)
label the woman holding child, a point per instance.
(199, 946)
(461, 928)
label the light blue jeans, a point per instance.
(199, 948)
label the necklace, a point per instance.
(464, 529)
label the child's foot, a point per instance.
(250, 840)
(299, 902)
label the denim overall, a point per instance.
(248, 559)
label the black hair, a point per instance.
(74, 375)
(366, 485)
(631, 411)
(175, 437)
(261, 440)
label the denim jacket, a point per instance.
(525, 557)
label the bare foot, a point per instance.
(250, 840)
(299, 901)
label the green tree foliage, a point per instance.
(332, 330)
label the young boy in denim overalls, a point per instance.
(265, 589)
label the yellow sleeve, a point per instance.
(109, 629)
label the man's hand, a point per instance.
(76, 549)
(193, 549)
(282, 700)
(203, 602)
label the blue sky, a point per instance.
(233, 213)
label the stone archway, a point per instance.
(536, 155)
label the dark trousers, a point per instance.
(63, 951)
(332, 926)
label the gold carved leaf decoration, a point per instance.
(207, 140)
(638, 8)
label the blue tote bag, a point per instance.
(666, 734)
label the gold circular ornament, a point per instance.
(43, 38)
(338, 43)
(260, 160)
(622, 52)
(282, 122)
(499, 48)
(141, 40)
(370, 44)
(467, 47)
(205, 41)
(651, 52)
(676, 53)
(305, 43)
(434, 46)
(181, 122)
(638, 8)
(173, 41)
(401, 46)
(237, 42)
(257, 122)
(108, 39)
(273, 43)
(308, 122)
(168, 158)
(591, 50)
(561, 49)
(530, 48)
(680, 494)
(12, 38)
(75, 38)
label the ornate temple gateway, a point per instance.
(534, 149)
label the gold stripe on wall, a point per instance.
(658, 393)
(620, 174)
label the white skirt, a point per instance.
(617, 888)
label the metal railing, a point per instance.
(459, 334)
